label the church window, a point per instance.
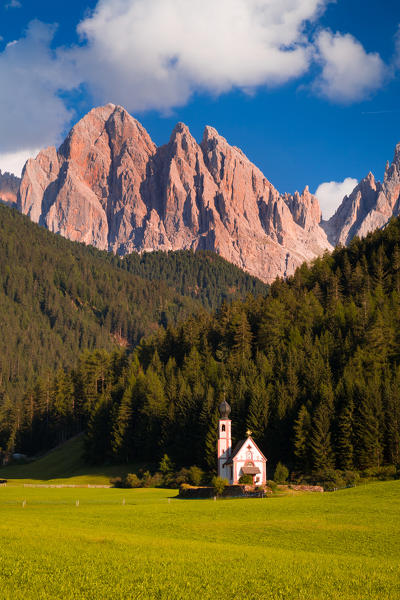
(223, 428)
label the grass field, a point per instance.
(325, 546)
(64, 465)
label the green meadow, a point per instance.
(146, 543)
(64, 465)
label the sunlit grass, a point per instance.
(64, 465)
(339, 545)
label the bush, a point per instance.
(195, 475)
(272, 485)
(117, 482)
(351, 478)
(330, 479)
(382, 473)
(166, 465)
(157, 480)
(183, 476)
(147, 479)
(219, 484)
(132, 481)
(281, 473)
(246, 479)
(129, 481)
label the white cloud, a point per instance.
(331, 194)
(157, 53)
(349, 73)
(31, 75)
(13, 4)
(13, 162)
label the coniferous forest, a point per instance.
(312, 369)
(59, 299)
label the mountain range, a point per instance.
(110, 186)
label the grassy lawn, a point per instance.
(341, 545)
(64, 465)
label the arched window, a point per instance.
(223, 428)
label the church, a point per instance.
(244, 459)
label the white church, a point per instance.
(244, 459)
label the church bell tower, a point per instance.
(224, 441)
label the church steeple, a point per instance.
(224, 409)
(224, 440)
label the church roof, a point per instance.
(239, 446)
(224, 410)
(235, 451)
(247, 470)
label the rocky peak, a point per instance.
(370, 205)
(392, 171)
(182, 144)
(108, 185)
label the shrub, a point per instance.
(330, 479)
(247, 479)
(281, 473)
(272, 485)
(166, 465)
(183, 476)
(351, 478)
(157, 480)
(219, 484)
(132, 481)
(195, 475)
(381, 473)
(116, 482)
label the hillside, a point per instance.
(64, 465)
(202, 275)
(312, 370)
(58, 298)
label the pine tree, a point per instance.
(369, 427)
(121, 443)
(391, 394)
(302, 428)
(345, 448)
(320, 441)
(257, 415)
(211, 443)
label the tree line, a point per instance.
(312, 369)
(59, 298)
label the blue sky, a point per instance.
(309, 89)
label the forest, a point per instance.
(312, 369)
(59, 298)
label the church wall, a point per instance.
(245, 454)
(224, 448)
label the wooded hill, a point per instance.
(58, 298)
(312, 369)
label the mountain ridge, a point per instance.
(110, 186)
(369, 206)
